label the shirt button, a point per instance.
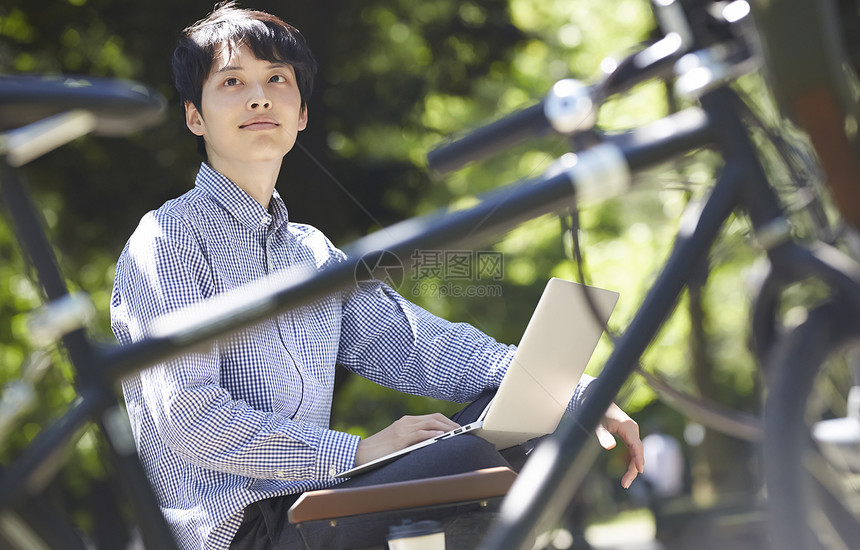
(281, 474)
(332, 471)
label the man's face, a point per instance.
(251, 111)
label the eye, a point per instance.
(278, 78)
(232, 81)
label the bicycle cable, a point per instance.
(701, 409)
(803, 174)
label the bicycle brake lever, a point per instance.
(54, 320)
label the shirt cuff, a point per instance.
(336, 453)
(500, 365)
(579, 393)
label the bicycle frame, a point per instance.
(102, 367)
(553, 474)
(96, 401)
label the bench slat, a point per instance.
(351, 501)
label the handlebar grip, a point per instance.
(483, 142)
(119, 106)
(567, 108)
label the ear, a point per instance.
(194, 119)
(303, 118)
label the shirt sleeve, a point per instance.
(579, 394)
(164, 269)
(395, 343)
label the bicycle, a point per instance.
(538, 496)
(719, 50)
(39, 114)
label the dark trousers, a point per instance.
(265, 525)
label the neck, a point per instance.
(256, 179)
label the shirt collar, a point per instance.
(240, 204)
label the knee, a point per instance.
(469, 452)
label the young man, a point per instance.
(230, 436)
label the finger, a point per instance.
(607, 441)
(629, 475)
(636, 448)
(431, 423)
(637, 458)
(630, 436)
(415, 429)
(426, 422)
(449, 424)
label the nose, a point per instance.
(258, 100)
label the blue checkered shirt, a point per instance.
(248, 419)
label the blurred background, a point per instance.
(396, 78)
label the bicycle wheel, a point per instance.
(813, 493)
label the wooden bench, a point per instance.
(336, 516)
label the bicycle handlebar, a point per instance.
(568, 108)
(485, 141)
(119, 106)
(572, 178)
(590, 175)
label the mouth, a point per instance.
(259, 124)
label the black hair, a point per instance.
(228, 26)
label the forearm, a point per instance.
(203, 427)
(397, 344)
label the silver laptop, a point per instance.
(547, 366)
